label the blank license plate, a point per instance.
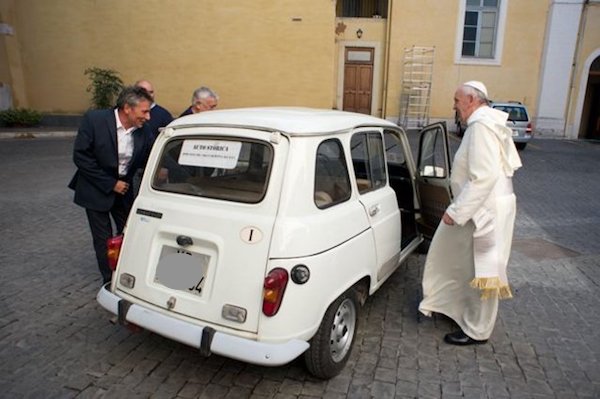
(182, 270)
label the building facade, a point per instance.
(357, 55)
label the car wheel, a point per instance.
(331, 346)
(520, 146)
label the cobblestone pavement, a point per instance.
(56, 342)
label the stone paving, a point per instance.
(56, 342)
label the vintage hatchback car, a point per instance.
(258, 233)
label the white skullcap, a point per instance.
(477, 85)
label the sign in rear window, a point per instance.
(210, 153)
(234, 170)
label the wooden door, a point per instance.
(358, 79)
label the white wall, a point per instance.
(5, 97)
(556, 67)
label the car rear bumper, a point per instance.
(204, 338)
(525, 138)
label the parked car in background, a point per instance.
(518, 121)
(258, 233)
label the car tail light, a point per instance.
(273, 290)
(529, 128)
(113, 246)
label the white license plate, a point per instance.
(182, 270)
(515, 133)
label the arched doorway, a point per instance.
(590, 116)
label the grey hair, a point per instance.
(132, 95)
(478, 94)
(202, 93)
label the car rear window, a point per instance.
(228, 169)
(515, 113)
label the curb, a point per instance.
(36, 135)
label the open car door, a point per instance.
(433, 177)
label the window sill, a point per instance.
(478, 61)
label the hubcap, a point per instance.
(342, 330)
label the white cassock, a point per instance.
(465, 270)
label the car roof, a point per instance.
(287, 120)
(507, 104)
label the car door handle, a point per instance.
(374, 210)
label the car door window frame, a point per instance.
(435, 163)
(370, 170)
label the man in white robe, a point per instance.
(465, 271)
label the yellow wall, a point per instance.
(11, 68)
(258, 52)
(589, 45)
(514, 79)
(591, 33)
(4, 69)
(250, 52)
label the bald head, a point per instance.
(145, 84)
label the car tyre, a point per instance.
(520, 146)
(331, 346)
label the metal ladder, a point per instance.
(415, 95)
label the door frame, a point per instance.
(377, 73)
(577, 123)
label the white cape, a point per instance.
(477, 247)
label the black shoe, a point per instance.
(460, 338)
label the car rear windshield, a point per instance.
(515, 113)
(233, 170)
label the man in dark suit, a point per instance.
(203, 99)
(110, 146)
(159, 116)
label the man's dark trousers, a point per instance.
(102, 230)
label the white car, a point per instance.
(258, 233)
(518, 121)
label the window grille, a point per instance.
(362, 8)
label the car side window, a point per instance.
(332, 181)
(432, 161)
(368, 160)
(393, 149)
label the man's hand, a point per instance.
(447, 219)
(121, 187)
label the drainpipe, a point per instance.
(582, 21)
(386, 60)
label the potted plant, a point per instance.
(105, 86)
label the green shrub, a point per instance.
(20, 117)
(105, 86)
